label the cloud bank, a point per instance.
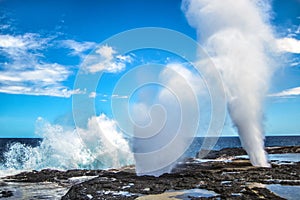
(25, 69)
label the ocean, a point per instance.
(26, 154)
(32, 153)
(234, 142)
(270, 141)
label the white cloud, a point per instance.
(116, 96)
(298, 30)
(106, 52)
(4, 26)
(8, 41)
(293, 64)
(26, 41)
(43, 79)
(124, 58)
(92, 95)
(287, 93)
(78, 48)
(43, 73)
(287, 44)
(57, 91)
(104, 97)
(25, 71)
(16, 45)
(106, 59)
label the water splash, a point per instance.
(63, 149)
(168, 123)
(238, 38)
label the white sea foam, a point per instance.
(104, 147)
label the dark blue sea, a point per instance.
(270, 141)
(234, 142)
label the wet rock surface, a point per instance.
(236, 179)
(226, 179)
(6, 193)
(50, 175)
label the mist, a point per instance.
(167, 122)
(99, 146)
(238, 38)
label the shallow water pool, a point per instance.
(290, 192)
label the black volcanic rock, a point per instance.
(236, 179)
(229, 152)
(226, 179)
(6, 193)
(50, 175)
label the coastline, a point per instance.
(223, 175)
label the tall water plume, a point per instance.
(238, 38)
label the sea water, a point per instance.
(63, 153)
(67, 151)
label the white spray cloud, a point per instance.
(166, 122)
(236, 36)
(103, 147)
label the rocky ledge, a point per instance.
(229, 152)
(234, 179)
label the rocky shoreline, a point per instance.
(224, 179)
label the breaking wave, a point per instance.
(104, 147)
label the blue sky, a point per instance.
(43, 43)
